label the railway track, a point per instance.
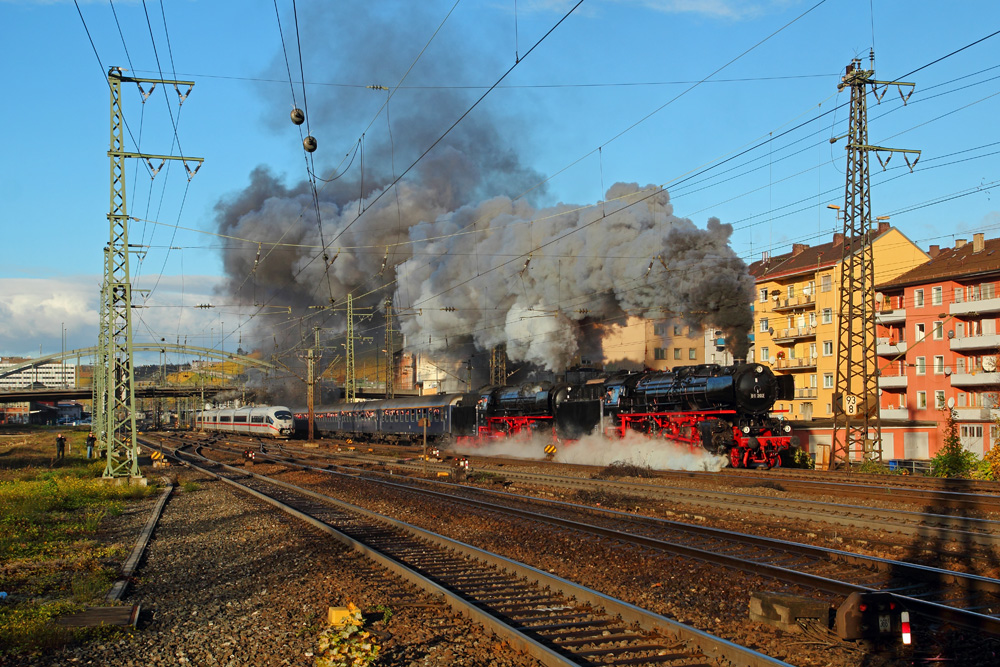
(932, 526)
(938, 594)
(554, 620)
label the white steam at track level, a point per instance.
(597, 450)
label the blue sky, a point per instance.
(621, 91)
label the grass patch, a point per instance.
(52, 561)
(190, 486)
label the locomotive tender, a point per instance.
(723, 409)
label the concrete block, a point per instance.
(783, 611)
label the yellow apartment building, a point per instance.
(795, 312)
(655, 344)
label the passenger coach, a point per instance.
(271, 421)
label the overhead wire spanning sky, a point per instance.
(606, 67)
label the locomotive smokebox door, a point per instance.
(873, 616)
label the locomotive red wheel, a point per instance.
(775, 460)
(735, 458)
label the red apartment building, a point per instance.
(937, 348)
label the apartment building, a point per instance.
(795, 313)
(938, 343)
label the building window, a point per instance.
(938, 365)
(826, 283)
(812, 319)
(791, 291)
(936, 299)
(828, 348)
(918, 298)
(677, 329)
(810, 288)
(659, 328)
(938, 330)
(763, 295)
(827, 380)
(961, 399)
(763, 324)
(921, 331)
(659, 353)
(692, 353)
(921, 400)
(812, 380)
(812, 350)
(764, 356)
(959, 295)
(677, 353)
(921, 365)
(939, 399)
(828, 316)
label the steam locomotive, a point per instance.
(723, 409)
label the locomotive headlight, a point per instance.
(787, 428)
(759, 369)
(746, 430)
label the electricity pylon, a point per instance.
(115, 355)
(856, 426)
(498, 365)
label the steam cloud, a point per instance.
(452, 234)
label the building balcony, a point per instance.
(978, 379)
(983, 342)
(795, 333)
(972, 414)
(807, 392)
(804, 302)
(890, 316)
(891, 381)
(885, 347)
(894, 413)
(971, 307)
(800, 364)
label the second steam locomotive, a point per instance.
(725, 410)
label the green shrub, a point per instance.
(953, 460)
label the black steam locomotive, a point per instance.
(723, 409)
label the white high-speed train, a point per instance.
(271, 421)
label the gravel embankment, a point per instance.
(228, 581)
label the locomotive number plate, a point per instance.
(883, 623)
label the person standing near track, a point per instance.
(60, 446)
(91, 440)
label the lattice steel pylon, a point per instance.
(857, 430)
(498, 365)
(390, 342)
(115, 336)
(350, 381)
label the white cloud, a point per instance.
(33, 312)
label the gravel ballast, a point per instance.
(230, 581)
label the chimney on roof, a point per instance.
(883, 227)
(959, 243)
(838, 239)
(978, 242)
(934, 251)
(797, 248)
